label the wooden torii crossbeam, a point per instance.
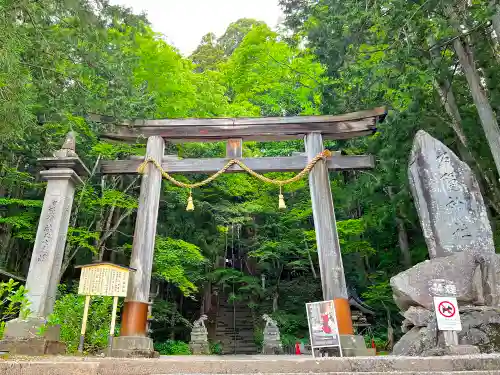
(313, 129)
(345, 126)
(247, 129)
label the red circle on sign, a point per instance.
(446, 309)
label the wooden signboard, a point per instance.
(106, 280)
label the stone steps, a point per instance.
(235, 323)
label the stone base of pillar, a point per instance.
(133, 347)
(354, 346)
(35, 347)
(31, 337)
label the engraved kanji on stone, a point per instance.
(448, 200)
(437, 288)
(48, 234)
(462, 230)
(450, 289)
(455, 202)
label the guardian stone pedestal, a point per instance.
(199, 337)
(63, 174)
(272, 339)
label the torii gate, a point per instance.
(313, 129)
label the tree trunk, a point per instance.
(445, 91)
(99, 228)
(313, 269)
(495, 21)
(5, 243)
(276, 294)
(311, 263)
(114, 241)
(403, 242)
(390, 330)
(404, 246)
(172, 321)
(206, 302)
(484, 109)
(275, 301)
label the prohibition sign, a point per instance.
(446, 309)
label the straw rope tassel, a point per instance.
(281, 202)
(190, 204)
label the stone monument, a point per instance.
(199, 337)
(23, 336)
(458, 234)
(272, 340)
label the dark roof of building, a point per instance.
(356, 302)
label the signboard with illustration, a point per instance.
(323, 328)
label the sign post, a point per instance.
(107, 280)
(323, 327)
(84, 323)
(113, 323)
(446, 309)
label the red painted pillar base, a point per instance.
(134, 319)
(343, 313)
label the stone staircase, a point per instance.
(234, 328)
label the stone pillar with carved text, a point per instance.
(48, 253)
(133, 340)
(62, 175)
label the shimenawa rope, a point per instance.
(190, 207)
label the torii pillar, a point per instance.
(329, 255)
(133, 340)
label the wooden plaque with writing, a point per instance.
(104, 279)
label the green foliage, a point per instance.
(290, 326)
(116, 198)
(288, 340)
(21, 221)
(68, 313)
(258, 338)
(63, 62)
(21, 202)
(14, 303)
(168, 320)
(81, 237)
(215, 348)
(172, 347)
(276, 79)
(176, 261)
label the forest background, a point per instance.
(433, 63)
